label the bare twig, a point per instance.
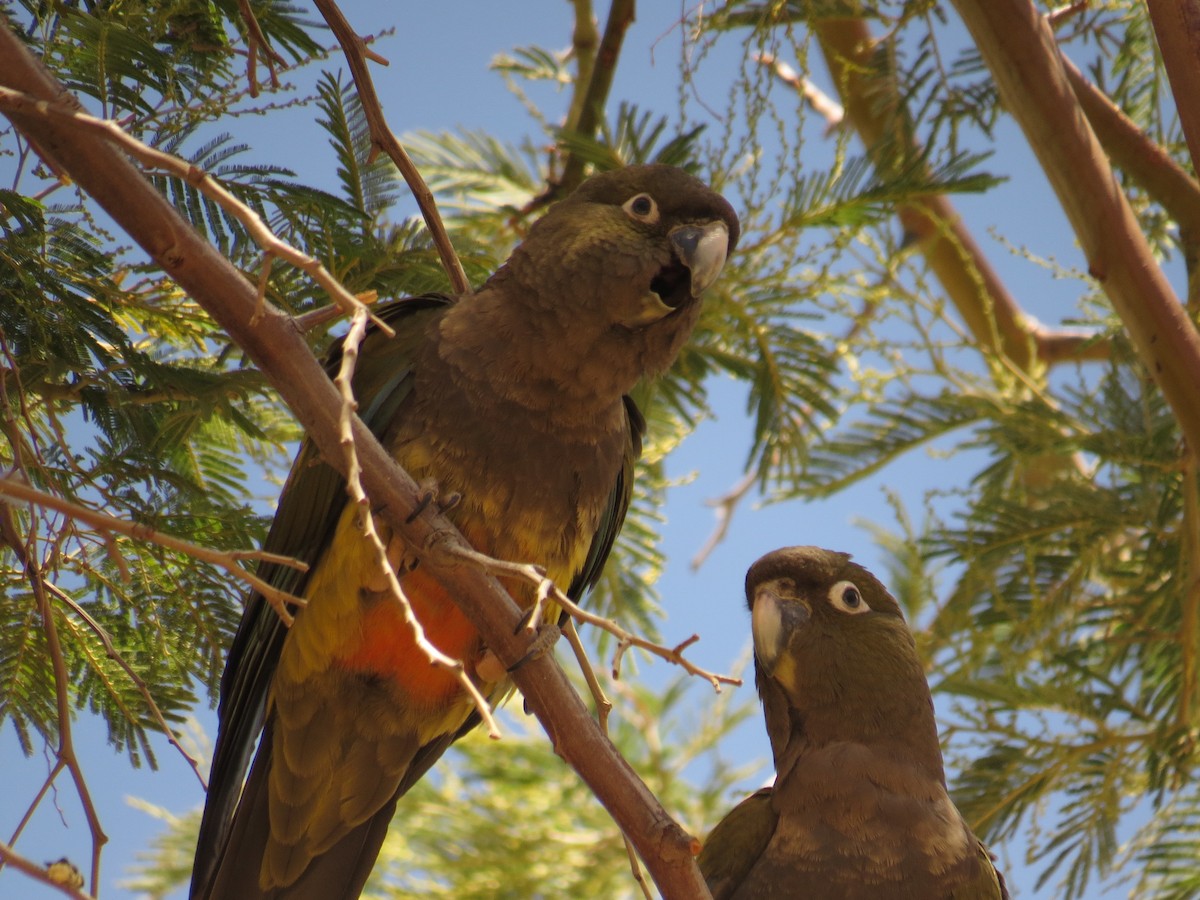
(357, 53)
(66, 740)
(255, 40)
(316, 317)
(224, 559)
(603, 709)
(279, 350)
(603, 704)
(725, 505)
(822, 104)
(584, 40)
(343, 381)
(546, 588)
(143, 689)
(14, 101)
(40, 873)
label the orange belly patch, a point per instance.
(388, 647)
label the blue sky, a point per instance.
(439, 78)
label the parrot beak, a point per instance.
(702, 248)
(698, 257)
(772, 621)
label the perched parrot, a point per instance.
(515, 398)
(859, 808)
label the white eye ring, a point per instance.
(846, 597)
(641, 207)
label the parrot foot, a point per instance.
(491, 669)
(547, 636)
(429, 494)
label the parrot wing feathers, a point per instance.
(614, 512)
(309, 507)
(737, 843)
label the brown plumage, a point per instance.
(515, 398)
(859, 809)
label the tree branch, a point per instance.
(271, 340)
(1177, 30)
(356, 52)
(1130, 148)
(874, 107)
(227, 561)
(595, 92)
(1020, 50)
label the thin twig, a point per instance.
(584, 39)
(603, 704)
(620, 16)
(725, 505)
(15, 101)
(603, 709)
(66, 741)
(257, 39)
(536, 576)
(822, 104)
(343, 382)
(40, 873)
(113, 654)
(224, 559)
(306, 322)
(357, 53)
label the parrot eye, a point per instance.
(642, 207)
(846, 598)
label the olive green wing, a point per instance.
(737, 843)
(311, 502)
(614, 511)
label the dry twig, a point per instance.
(548, 591)
(143, 689)
(357, 53)
(224, 559)
(14, 101)
(725, 506)
(255, 40)
(39, 873)
(343, 381)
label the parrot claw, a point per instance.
(547, 635)
(429, 494)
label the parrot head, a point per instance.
(834, 658)
(622, 263)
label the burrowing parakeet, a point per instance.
(516, 399)
(859, 808)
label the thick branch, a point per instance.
(1177, 30)
(1020, 51)
(276, 346)
(1131, 149)
(873, 105)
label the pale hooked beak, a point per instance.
(702, 248)
(771, 632)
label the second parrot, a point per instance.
(859, 809)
